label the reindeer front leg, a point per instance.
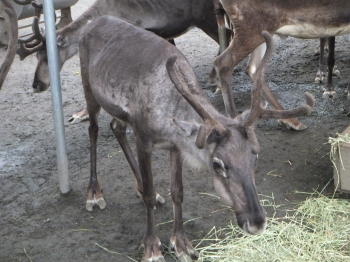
(119, 131)
(151, 242)
(178, 240)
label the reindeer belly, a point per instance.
(305, 30)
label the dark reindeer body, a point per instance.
(144, 81)
(297, 18)
(167, 18)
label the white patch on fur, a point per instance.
(311, 31)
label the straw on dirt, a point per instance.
(319, 230)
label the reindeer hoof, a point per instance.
(89, 206)
(152, 253)
(319, 80)
(101, 203)
(75, 119)
(91, 203)
(185, 251)
(160, 199)
(337, 73)
(79, 117)
(297, 127)
(329, 94)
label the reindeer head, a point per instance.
(37, 44)
(233, 145)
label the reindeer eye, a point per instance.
(219, 167)
(216, 165)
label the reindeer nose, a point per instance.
(256, 228)
(253, 223)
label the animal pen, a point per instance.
(39, 224)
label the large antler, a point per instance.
(33, 43)
(11, 48)
(182, 85)
(257, 111)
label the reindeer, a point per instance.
(136, 87)
(168, 19)
(9, 55)
(297, 18)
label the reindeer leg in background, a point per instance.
(222, 35)
(7, 60)
(233, 55)
(256, 111)
(253, 64)
(66, 18)
(328, 91)
(220, 18)
(224, 65)
(178, 240)
(212, 83)
(119, 131)
(320, 75)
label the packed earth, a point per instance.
(37, 223)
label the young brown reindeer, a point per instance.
(296, 18)
(136, 87)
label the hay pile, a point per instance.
(319, 230)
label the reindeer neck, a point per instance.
(72, 30)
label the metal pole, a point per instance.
(51, 44)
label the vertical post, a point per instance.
(52, 54)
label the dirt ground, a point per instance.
(38, 223)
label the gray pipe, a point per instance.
(51, 44)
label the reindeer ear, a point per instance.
(241, 119)
(62, 41)
(189, 128)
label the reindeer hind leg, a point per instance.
(94, 191)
